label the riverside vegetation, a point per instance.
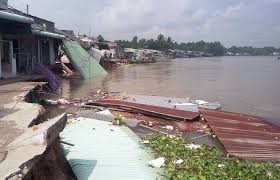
(206, 162)
(216, 48)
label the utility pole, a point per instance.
(89, 31)
(27, 9)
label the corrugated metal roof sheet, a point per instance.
(168, 102)
(245, 136)
(103, 151)
(167, 113)
(82, 60)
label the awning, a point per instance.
(15, 17)
(47, 34)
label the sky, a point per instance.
(232, 22)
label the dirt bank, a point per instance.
(29, 146)
(52, 165)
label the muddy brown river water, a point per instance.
(248, 85)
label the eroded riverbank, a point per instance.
(169, 116)
(29, 147)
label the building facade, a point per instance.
(25, 41)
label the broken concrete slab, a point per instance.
(32, 143)
(19, 144)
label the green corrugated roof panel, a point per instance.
(103, 151)
(82, 60)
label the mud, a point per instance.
(52, 165)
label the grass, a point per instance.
(206, 162)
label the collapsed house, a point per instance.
(82, 61)
(25, 41)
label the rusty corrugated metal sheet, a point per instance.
(163, 112)
(244, 136)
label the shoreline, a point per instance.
(148, 124)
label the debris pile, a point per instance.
(142, 116)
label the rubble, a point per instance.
(193, 146)
(58, 102)
(158, 163)
(171, 128)
(179, 161)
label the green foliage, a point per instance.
(100, 38)
(253, 51)
(206, 162)
(215, 48)
(118, 119)
(162, 43)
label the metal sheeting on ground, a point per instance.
(245, 136)
(82, 60)
(163, 112)
(101, 115)
(103, 151)
(168, 102)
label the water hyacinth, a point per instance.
(206, 162)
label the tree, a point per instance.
(142, 43)
(214, 48)
(134, 42)
(100, 38)
(161, 38)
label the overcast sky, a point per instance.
(233, 22)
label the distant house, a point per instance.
(109, 48)
(90, 41)
(25, 41)
(229, 54)
(68, 32)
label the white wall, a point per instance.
(1, 50)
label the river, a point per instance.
(246, 84)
